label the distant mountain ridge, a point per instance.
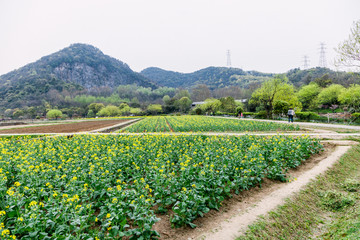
(213, 77)
(82, 68)
(218, 77)
(79, 66)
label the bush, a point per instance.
(198, 111)
(355, 115)
(239, 110)
(109, 111)
(246, 114)
(154, 109)
(54, 113)
(307, 116)
(261, 115)
(224, 113)
(281, 107)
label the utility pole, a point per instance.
(306, 62)
(228, 62)
(322, 59)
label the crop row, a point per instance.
(205, 124)
(106, 186)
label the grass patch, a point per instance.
(335, 201)
(332, 195)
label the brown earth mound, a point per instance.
(65, 128)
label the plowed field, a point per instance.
(65, 128)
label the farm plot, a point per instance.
(65, 128)
(107, 186)
(205, 124)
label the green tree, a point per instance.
(307, 95)
(323, 81)
(269, 91)
(18, 113)
(136, 111)
(228, 104)
(30, 112)
(8, 113)
(135, 102)
(154, 109)
(351, 97)
(239, 110)
(53, 113)
(211, 106)
(124, 109)
(349, 50)
(182, 93)
(96, 107)
(109, 111)
(91, 113)
(329, 95)
(200, 92)
(184, 104)
(166, 99)
(281, 107)
(123, 105)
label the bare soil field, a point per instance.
(65, 128)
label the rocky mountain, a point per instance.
(77, 67)
(213, 77)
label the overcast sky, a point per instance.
(178, 35)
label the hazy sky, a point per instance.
(178, 35)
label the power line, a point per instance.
(322, 59)
(228, 62)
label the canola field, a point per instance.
(204, 124)
(108, 186)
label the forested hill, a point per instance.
(322, 76)
(218, 77)
(213, 77)
(77, 67)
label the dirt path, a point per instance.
(167, 122)
(307, 124)
(237, 224)
(243, 209)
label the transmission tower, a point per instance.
(322, 60)
(306, 62)
(228, 62)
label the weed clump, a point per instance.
(351, 185)
(334, 200)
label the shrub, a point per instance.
(239, 110)
(198, 111)
(261, 115)
(246, 114)
(109, 111)
(54, 113)
(355, 115)
(281, 107)
(307, 116)
(154, 109)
